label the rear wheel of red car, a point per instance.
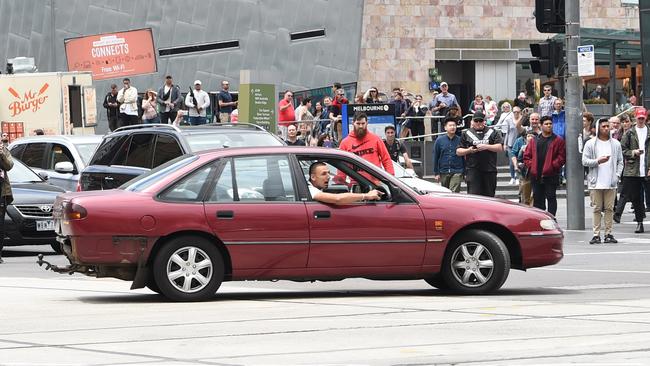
(476, 263)
(188, 268)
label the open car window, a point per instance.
(346, 176)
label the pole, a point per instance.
(574, 169)
(612, 77)
(644, 24)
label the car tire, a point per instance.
(437, 281)
(57, 248)
(188, 268)
(470, 272)
(151, 283)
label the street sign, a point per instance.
(586, 61)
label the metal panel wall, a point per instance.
(261, 26)
(496, 79)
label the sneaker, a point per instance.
(595, 240)
(512, 181)
(516, 182)
(609, 238)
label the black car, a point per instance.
(133, 150)
(29, 217)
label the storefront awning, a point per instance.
(627, 42)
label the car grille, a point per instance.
(35, 210)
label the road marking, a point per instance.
(601, 287)
(591, 270)
(600, 253)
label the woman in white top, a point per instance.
(508, 128)
(491, 109)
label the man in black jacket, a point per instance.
(112, 108)
(169, 100)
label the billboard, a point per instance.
(113, 55)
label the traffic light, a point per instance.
(549, 56)
(549, 16)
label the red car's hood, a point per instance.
(473, 202)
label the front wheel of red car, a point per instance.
(476, 263)
(188, 268)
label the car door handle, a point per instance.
(108, 178)
(322, 214)
(225, 214)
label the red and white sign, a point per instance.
(113, 55)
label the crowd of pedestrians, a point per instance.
(124, 106)
(615, 151)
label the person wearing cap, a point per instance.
(521, 101)
(150, 114)
(127, 97)
(169, 100)
(480, 145)
(603, 156)
(444, 100)
(544, 157)
(636, 146)
(197, 114)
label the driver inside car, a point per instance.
(319, 176)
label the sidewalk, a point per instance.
(626, 227)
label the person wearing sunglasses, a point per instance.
(480, 146)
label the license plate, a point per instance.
(45, 225)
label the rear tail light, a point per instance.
(74, 211)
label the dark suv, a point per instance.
(133, 150)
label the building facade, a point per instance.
(478, 46)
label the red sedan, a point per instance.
(247, 214)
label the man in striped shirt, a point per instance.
(545, 107)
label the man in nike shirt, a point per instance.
(366, 144)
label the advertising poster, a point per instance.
(113, 55)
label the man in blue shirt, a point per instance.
(448, 167)
(444, 100)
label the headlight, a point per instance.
(548, 224)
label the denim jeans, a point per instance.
(197, 120)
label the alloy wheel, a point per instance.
(189, 269)
(472, 264)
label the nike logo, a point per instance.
(358, 146)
